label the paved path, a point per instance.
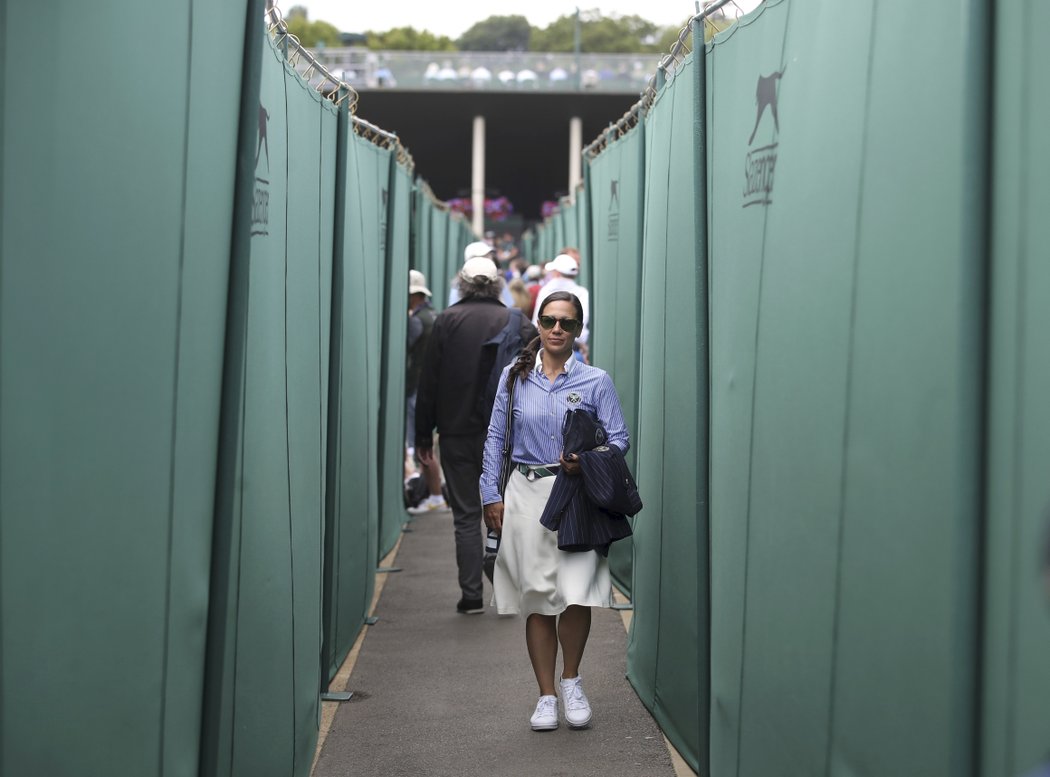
(438, 694)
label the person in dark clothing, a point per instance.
(451, 398)
(420, 323)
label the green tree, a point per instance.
(408, 39)
(598, 34)
(497, 33)
(311, 34)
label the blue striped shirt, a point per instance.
(539, 407)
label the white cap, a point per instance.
(480, 248)
(564, 264)
(417, 283)
(479, 266)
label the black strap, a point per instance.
(505, 470)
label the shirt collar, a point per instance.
(570, 365)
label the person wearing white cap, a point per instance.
(562, 272)
(476, 250)
(453, 399)
(420, 324)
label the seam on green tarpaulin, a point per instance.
(751, 450)
(165, 641)
(287, 420)
(3, 91)
(1020, 313)
(843, 468)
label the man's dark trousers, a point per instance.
(461, 457)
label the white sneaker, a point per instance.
(545, 718)
(575, 707)
(429, 505)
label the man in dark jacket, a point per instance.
(452, 399)
(420, 324)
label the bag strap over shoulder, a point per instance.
(504, 474)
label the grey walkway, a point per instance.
(440, 694)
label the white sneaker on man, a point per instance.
(545, 718)
(575, 707)
(429, 505)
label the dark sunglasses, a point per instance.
(570, 325)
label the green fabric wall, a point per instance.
(115, 227)
(354, 518)
(558, 235)
(264, 721)
(568, 225)
(528, 246)
(392, 514)
(616, 199)
(460, 236)
(421, 210)
(668, 641)
(353, 521)
(845, 375)
(583, 239)
(437, 280)
(1016, 717)
(545, 242)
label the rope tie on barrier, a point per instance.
(305, 64)
(431, 197)
(669, 64)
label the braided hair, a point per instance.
(527, 358)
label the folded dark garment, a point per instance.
(608, 482)
(581, 431)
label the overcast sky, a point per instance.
(454, 17)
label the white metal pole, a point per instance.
(477, 181)
(575, 155)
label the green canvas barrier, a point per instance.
(421, 209)
(114, 261)
(352, 542)
(615, 194)
(668, 641)
(1016, 716)
(459, 236)
(392, 513)
(558, 236)
(544, 242)
(583, 238)
(265, 719)
(440, 271)
(373, 200)
(567, 218)
(528, 246)
(845, 373)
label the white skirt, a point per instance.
(531, 574)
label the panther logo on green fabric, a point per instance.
(760, 163)
(766, 96)
(264, 116)
(261, 196)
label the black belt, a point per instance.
(533, 473)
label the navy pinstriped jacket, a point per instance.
(589, 510)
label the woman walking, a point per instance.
(553, 589)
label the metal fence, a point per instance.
(489, 71)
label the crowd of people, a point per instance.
(495, 375)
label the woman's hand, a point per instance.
(494, 516)
(570, 464)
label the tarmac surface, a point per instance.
(439, 694)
